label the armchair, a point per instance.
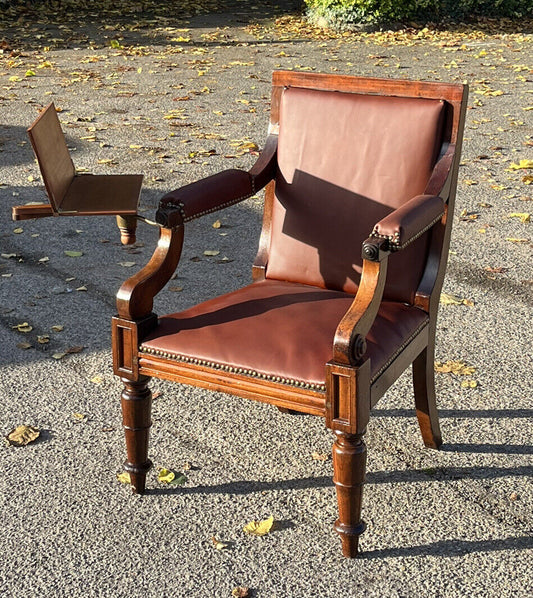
(360, 178)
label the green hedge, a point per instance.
(353, 13)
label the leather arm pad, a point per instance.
(205, 196)
(405, 224)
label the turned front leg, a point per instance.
(349, 466)
(136, 418)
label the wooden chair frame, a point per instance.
(350, 392)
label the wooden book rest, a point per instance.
(72, 194)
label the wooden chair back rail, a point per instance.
(353, 383)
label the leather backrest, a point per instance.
(345, 161)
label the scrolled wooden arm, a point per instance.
(349, 345)
(135, 298)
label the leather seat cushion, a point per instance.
(279, 329)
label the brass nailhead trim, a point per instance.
(229, 368)
(180, 206)
(397, 352)
(394, 240)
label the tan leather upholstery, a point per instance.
(278, 329)
(337, 179)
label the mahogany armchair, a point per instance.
(360, 179)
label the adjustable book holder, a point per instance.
(72, 194)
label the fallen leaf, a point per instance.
(522, 216)
(79, 416)
(175, 289)
(24, 345)
(57, 328)
(17, 231)
(496, 270)
(73, 253)
(22, 435)
(127, 264)
(83, 288)
(97, 379)
(124, 477)
(522, 164)
(320, 456)
(513, 496)
(218, 544)
(43, 339)
(259, 528)
(76, 349)
(24, 327)
(210, 252)
(449, 299)
(8, 255)
(179, 480)
(58, 355)
(216, 224)
(44, 259)
(240, 592)
(165, 476)
(516, 240)
(469, 384)
(454, 367)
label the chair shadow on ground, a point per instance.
(446, 548)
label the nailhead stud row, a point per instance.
(236, 370)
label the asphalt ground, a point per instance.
(448, 523)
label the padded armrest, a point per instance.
(410, 221)
(205, 196)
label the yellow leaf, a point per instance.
(522, 164)
(454, 367)
(216, 224)
(259, 528)
(73, 253)
(210, 252)
(17, 231)
(240, 592)
(448, 299)
(58, 355)
(43, 339)
(30, 73)
(469, 384)
(97, 379)
(523, 216)
(527, 179)
(166, 476)
(515, 240)
(124, 477)
(22, 435)
(127, 264)
(79, 416)
(24, 327)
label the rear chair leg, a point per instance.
(425, 401)
(349, 465)
(136, 419)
